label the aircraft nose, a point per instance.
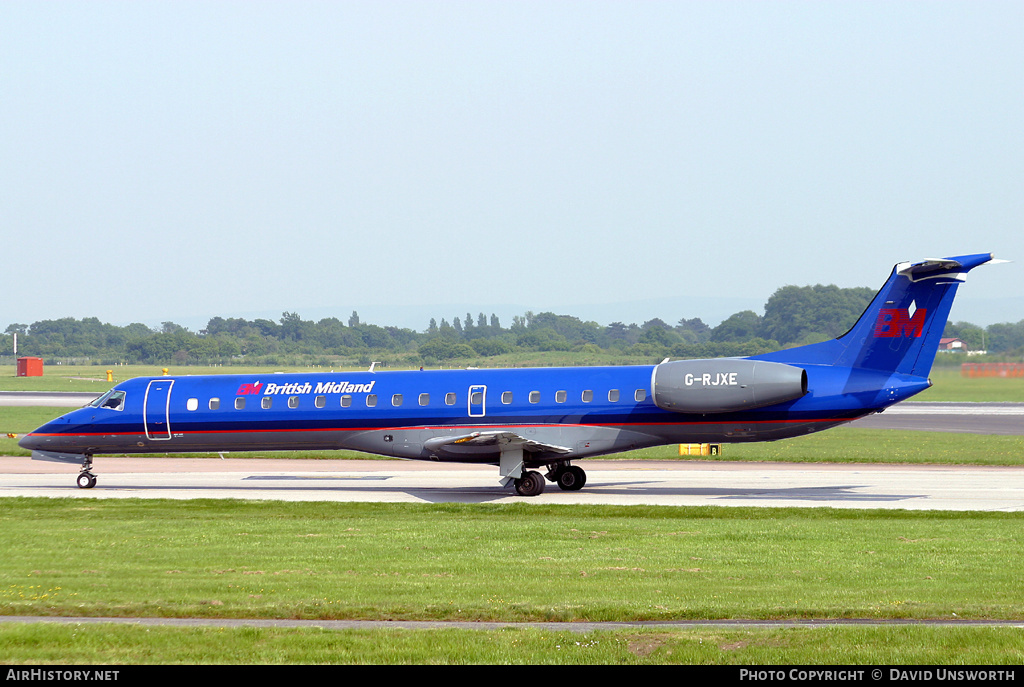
(47, 437)
(30, 442)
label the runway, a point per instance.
(610, 482)
(54, 399)
(966, 418)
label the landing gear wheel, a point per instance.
(530, 484)
(572, 478)
(86, 480)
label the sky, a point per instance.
(617, 161)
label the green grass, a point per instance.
(948, 385)
(110, 645)
(238, 559)
(889, 446)
(23, 419)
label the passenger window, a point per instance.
(346, 401)
(449, 398)
(320, 401)
(534, 397)
(424, 399)
(293, 401)
(240, 403)
(476, 398)
(396, 400)
(588, 396)
(560, 397)
(371, 400)
(506, 397)
(613, 395)
(640, 395)
(192, 403)
(266, 402)
(214, 403)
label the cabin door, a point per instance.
(477, 400)
(156, 409)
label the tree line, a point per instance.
(793, 315)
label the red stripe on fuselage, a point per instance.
(450, 427)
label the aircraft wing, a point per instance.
(498, 439)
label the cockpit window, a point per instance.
(113, 399)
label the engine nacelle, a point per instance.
(725, 385)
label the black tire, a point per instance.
(86, 481)
(572, 478)
(530, 484)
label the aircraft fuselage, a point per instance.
(588, 410)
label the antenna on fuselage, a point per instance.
(375, 362)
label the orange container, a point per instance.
(30, 367)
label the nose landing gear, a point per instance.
(86, 480)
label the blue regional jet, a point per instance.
(522, 420)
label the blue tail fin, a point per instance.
(900, 330)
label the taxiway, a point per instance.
(610, 482)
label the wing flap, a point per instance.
(499, 439)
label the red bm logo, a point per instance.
(893, 322)
(249, 389)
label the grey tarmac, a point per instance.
(964, 418)
(610, 482)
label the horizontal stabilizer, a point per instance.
(945, 268)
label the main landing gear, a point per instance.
(86, 480)
(530, 484)
(567, 477)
